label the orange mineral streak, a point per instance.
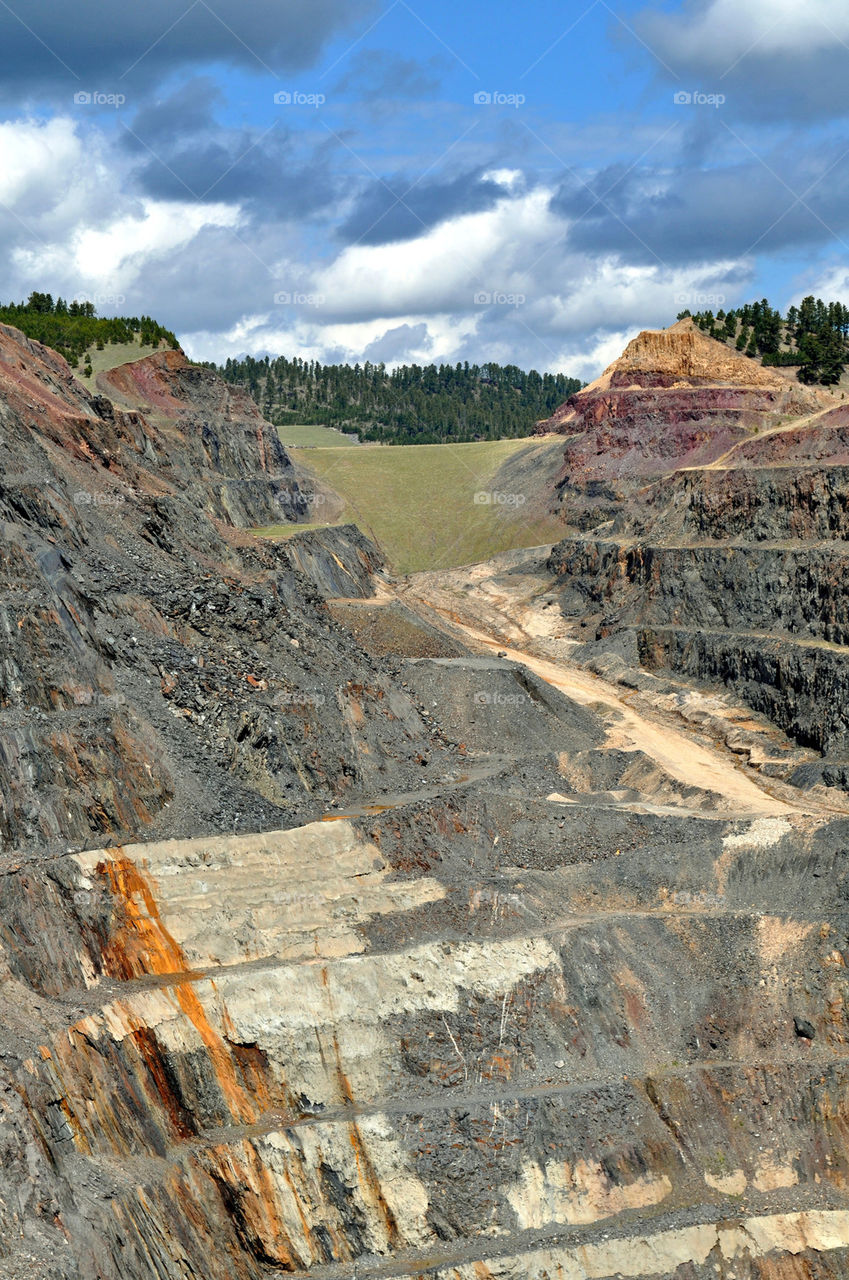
(370, 1186)
(250, 1193)
(366, 1172)
(142, 946)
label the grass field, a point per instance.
(111, 356)
(430, 506)
(314, 437)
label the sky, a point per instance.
(419, 180)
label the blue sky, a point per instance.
(347, 179)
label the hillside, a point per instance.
(74, 329)
(812, 339)
(433, 506)
(706, 497)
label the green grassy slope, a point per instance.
(422, 504)
(113, 355)
(314, 437)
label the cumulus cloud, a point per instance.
(772, 59)
(720, 32)
(396, 344)
(247, 233)
(87, 235)
(51, 49)
(831, 282)
(674, 214)
(504, 285)
(398, 207)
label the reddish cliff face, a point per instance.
(708, 502)
(165, 384)
(164, 427)
(675, 398)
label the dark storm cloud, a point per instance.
(271, 170)
(50, 49)
(699, 214)
(192, 107)
(400, 209)
(762, 79)
(263, 174)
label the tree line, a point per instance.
(412, 404)
(74, 328)
(813, 337)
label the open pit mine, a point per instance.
(490, 924)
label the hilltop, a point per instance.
(74, 329)
(705, 499)
(411, 404)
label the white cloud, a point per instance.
(726, 30)
(33, 154)
(831, 284)
(68, 224)
(443, 270)
(117, 252)
(312, 340)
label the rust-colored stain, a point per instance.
(635, 1010)
(144, 946)
(366, 1173)
(370, 1184)
(249, 1195)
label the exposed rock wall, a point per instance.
(465, 1002)
(675, 398)
(794, 591)
(727, 558)
(160, 669)
(289, 1052)
(804, 689)
(808, 504)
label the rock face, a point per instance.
(339, 960)
(726, 556)
(160, 669)
(367, 1043)
(675, 398)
